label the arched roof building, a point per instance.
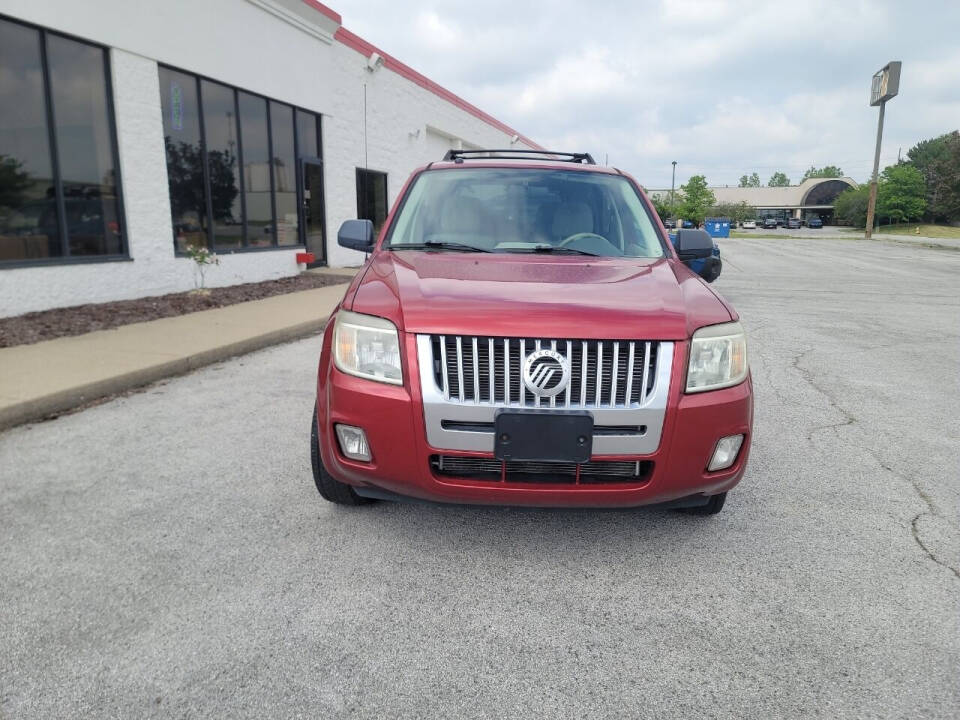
(814, 196)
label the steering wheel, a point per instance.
(579, 236)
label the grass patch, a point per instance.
(735, 234)
(931, 231)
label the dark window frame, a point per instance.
(49, 111)
(386, 194)
(245, 248)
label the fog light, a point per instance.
(726, 452)
(353, 442)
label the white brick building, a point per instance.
(219, 119)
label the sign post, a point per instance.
(885, 85)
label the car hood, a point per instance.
(537, 295)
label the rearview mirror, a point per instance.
(693, 245)
(356, 235)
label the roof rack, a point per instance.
(461, 155)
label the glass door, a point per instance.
(311, 214)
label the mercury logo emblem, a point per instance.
(546, 373)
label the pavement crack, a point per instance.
(848, 417)
(927, 551)
(930, 511)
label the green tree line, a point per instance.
(925, 186)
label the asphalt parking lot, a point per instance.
(166, 554)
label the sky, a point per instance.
(724, 87)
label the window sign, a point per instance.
(176, 106)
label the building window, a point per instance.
(59, 177)
(255, 141)
(232, 160)
(284, 172)
(372, 197)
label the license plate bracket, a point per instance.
(543, 435)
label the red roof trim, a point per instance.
(323, 9)
(366, 49)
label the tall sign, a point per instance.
(885, 85)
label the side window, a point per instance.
(372, 197)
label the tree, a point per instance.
(900, 195)
(738, 212)
(185, 172)
(663, 206)
(14, 182)
(697, 199)
(829, 171)
(850, 207)
(778, 179)
(751, 181)
(938, 160)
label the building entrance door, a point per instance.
(311, 213)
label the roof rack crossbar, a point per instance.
(510, 154)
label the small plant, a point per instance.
(203, 258)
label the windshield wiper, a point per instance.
(439, 245)
(545, 248)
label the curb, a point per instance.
(40, 408)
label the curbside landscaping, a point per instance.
(54, 376)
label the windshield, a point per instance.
(507, 210)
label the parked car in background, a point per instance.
(670, 224)
(794, 223)
(814, 222)
(770, 223)
(688, 224)
(749, 225)
(474, 358)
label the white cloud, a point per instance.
(723, 87)
(436, 33)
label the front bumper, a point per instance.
(393, 419)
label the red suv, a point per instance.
(524, 333)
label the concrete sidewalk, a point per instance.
(48, 377)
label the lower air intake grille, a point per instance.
(491, 469)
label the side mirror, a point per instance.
(356, 235)
(693, 245)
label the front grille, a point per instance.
(491, 469)
(604, 373)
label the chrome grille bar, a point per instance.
(583, 373)
(615, 369)
(476, 373)
(490, 374)
(506, 371)
(646, 372)
(523, 354)
(443, 363)
(460, 366)
(596, 398)
(629, 374)
(536, 399)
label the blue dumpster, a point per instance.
(717, 227)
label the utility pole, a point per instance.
(673, 179)
(885, 85)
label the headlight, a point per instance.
(367, 346)
(718, 357)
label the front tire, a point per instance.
(712, 506)
(330, 489)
